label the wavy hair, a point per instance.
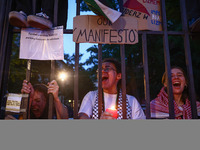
(185, 91)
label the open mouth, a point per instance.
(35, 109)
(177, 84)
(104, 78)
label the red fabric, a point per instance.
(134, 4)
(160, 105)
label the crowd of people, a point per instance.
(112, 97)
(23, 17)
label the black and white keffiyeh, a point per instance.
(119, 107)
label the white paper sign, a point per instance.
(42, 44)
(13, 102)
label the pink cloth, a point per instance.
(160, 106)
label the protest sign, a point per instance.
(13, 102)
(97, 29)
(42, 44)
(147, 12)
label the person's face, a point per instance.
(110, 77)
(38, 104)
(178, 81)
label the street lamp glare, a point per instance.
(62, 76)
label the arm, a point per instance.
(83, 116)
(10, 117)
(198, 108)
(137, 112)
(85, 111)
(27, 88)
(61, 110)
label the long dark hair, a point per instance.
(43, 89)
(185, 91)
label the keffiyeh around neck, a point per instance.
(119, 108)
(160, 105)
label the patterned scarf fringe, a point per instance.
(161, 105)
(119, 108)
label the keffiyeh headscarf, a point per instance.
(160, 105)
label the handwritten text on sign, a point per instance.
(97, 29)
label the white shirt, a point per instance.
(109, 101)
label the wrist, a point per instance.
(56, 99)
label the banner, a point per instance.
(97, 29)
(42, 44)
(104, 8)
(147, 13)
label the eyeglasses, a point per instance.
(107, 69)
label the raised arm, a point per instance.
(27, 88)
(61, 109)
(83, 116)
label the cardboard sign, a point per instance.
(13, 102)
(42, 44)
(97, 29)
(147, 13)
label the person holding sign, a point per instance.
(182, 107)
(38, 103)
(112, 97)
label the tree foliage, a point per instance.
(17, 67)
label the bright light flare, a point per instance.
(112, 108)
(62, 76)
